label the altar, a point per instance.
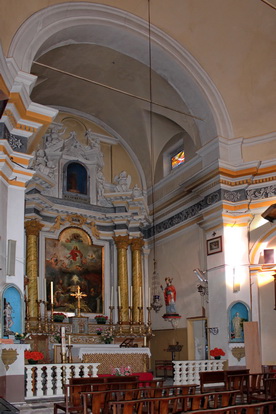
(113, 356)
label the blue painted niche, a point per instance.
(12, 311)
(238, 313)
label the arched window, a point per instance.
(76, 181)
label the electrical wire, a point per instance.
(64, 72)
(269, 4)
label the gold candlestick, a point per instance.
(52, 318)
(120, 319)
(27, 317)
(63, 357)
(130, 319)
(149, 330)
(39, 315)
(111, 318)
(140, 308)
(69, 354)
(46, 327)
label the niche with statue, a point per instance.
(12, 311)
(238, 313)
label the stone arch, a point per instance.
(87, 22)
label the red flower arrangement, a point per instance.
(34, 355)
(217, 352)
(101, 317)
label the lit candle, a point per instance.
(149, 298)
(52, 293)
(119, 296)
(130, 301)
(111, 297)
(140, 297)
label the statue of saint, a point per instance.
(169, 296)
(237, 326)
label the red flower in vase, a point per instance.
(216, 352)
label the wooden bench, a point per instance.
(212, 381)
(180, 403)
(258, 408)
(73, 390)
(164, 365)
(95, 401)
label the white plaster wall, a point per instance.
(3, 229)
(177, 257)
(15, 231)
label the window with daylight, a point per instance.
(177, 159)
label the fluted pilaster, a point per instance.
(33, 228)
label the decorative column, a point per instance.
(137, 280)
(122, 243)
(33, 228)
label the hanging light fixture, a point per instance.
(156, 303)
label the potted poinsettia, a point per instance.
(33, 356)
(58, 316)
(101, 319)
(217, 353)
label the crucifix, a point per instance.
(78, 296)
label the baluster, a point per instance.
(95, 369)
(39, 383)
(85, 370)
(67, 371)
(78, 370)
(176, 380)
(59, 387)
(48, 380)
(29, 381)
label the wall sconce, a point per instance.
(202, 290)
(214, 330)
(236, 282)
(200, 275)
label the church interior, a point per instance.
(137, 187)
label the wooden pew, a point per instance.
(212, 381)
(268, 407)
(92, 401)
(173, 403)
(73, 401)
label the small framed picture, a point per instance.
(214, 245)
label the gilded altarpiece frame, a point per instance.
(71, 261)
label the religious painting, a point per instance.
(73, 261)
(238, 314)
(214, 245)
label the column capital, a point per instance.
(122, 242)
(33, 227)
(137, 244)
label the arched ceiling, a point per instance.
(126, 114)
(95, 43)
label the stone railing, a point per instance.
(187, 372)
(47, 380)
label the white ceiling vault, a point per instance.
(74, 49)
